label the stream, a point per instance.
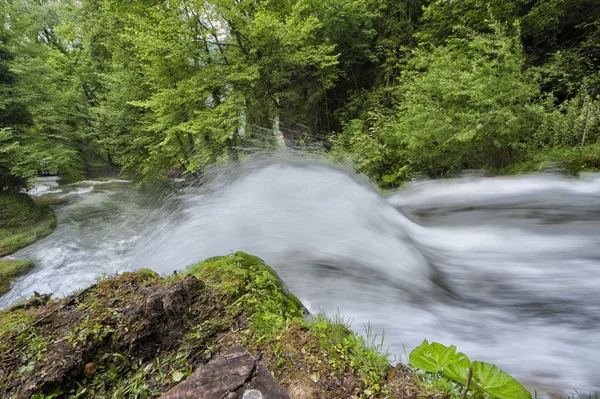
(507, 269)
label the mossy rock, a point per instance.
(235, 271)
(15, 238)
(29, 222)
(11, 269)
(18, 210)
(138, 335)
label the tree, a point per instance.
(46, 133)
(463, 105)
(184, 80)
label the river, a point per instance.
(507, 269)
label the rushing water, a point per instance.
(507, 269)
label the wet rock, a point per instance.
(233, 375)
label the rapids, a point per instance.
(507, 269)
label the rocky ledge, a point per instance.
(225, 328)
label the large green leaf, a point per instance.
(497, 383)
(436, 358)
(458, 372)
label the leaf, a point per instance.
(436, 357)
(389, 178)
(497, 383)
(457, 372)
(178, 376)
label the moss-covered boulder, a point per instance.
(232, 273)
(14, 238)
(139, 335)
(22, 222)
(11, 269)
(18, 210)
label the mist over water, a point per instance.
(507, 269)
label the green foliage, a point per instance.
(490, 84)
(444, 20)
(411, 87)
(568, 160)
(180, 85)
(41, 127)
(436, 358)
(486, 378)
(463, 105)
(574, 123)
(489, 378)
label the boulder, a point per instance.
(236, 374)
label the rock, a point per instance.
(89, 369)
(264, 383)
(11, 269)
(235, 374)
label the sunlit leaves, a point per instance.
(440, 359)
(497, 383)
(435, 358)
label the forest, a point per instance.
(399, 88)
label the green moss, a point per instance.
(255, 286)
(22, 222)
(240, 267)
(11, 269)
(15, 238)
(50, 199)
(18, 210)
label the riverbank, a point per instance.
(139, 335)
(22, 222)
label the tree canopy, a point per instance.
(400, 87)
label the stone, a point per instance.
(234, 374)
(264, 382)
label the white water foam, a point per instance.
(519, 257)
